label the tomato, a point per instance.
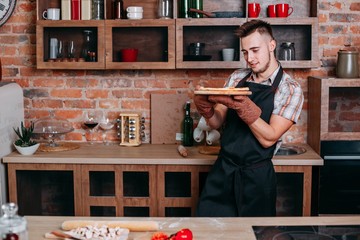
(159, 236)
(184, 234)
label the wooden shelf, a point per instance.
(162, 43)
(319, 119)
(66, 31)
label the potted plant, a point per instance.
(25, 145)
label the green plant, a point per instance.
(25, 134)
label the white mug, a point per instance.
(198, 134)
(212, 136)
(228, 54)
(135, 15)
(203, 125)
(52, 14)
(134, 9)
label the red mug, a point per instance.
(254, 10)
(129, 54)
(271, 11)
(283, 10)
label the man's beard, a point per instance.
(267, 65)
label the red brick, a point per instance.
(151, 83)
(97, 93)
(109, 104)
(355, 6)
(70, 93)
(74, 136)
(135, 105)
(48, 82)
(69, 114)
(127, 93)
(78, 103)
(47, 103)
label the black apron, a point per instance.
(242, 181)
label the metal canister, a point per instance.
(347, 64)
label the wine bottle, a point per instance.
(187, 127)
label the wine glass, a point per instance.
(106, 124)
(71, 50)
(91, 120)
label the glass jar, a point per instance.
(97, 9)
(287, 51)
(165, 9)
(12, 226)
(88, 51)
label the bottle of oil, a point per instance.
(188, 127)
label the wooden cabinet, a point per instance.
(333, 110)
(155, 41)
(163, 43)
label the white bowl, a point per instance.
(27, 150)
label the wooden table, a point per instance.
(202, 228)
(155, 159)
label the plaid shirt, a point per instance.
(289, 97)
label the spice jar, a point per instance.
(12, 226)
(347, 64)
(287, 51)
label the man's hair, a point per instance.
(250, 27)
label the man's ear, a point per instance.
(272, 45)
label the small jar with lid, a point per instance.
(287, 51)
(12, 226)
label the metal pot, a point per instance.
(347, 64)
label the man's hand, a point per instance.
(204, 106)
(246, 109)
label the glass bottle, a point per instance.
(12, 226)
(197, 4)
(165, 9)
(118, 7)
(184, 6)
(187, 127)
(287, 51)
(97, 9)
(88, 51)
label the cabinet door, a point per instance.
(179, 188)
(52, 189)
(154, 41)
(67, 32)
(119, 190)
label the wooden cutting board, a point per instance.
(167, 113)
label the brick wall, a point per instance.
(69, 93)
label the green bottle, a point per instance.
(188, 127)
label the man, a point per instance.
(242, 181)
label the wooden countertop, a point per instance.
(145, 154)
(202, 228)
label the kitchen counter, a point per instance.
(202, 228)
(155, 161)
(146, 154)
